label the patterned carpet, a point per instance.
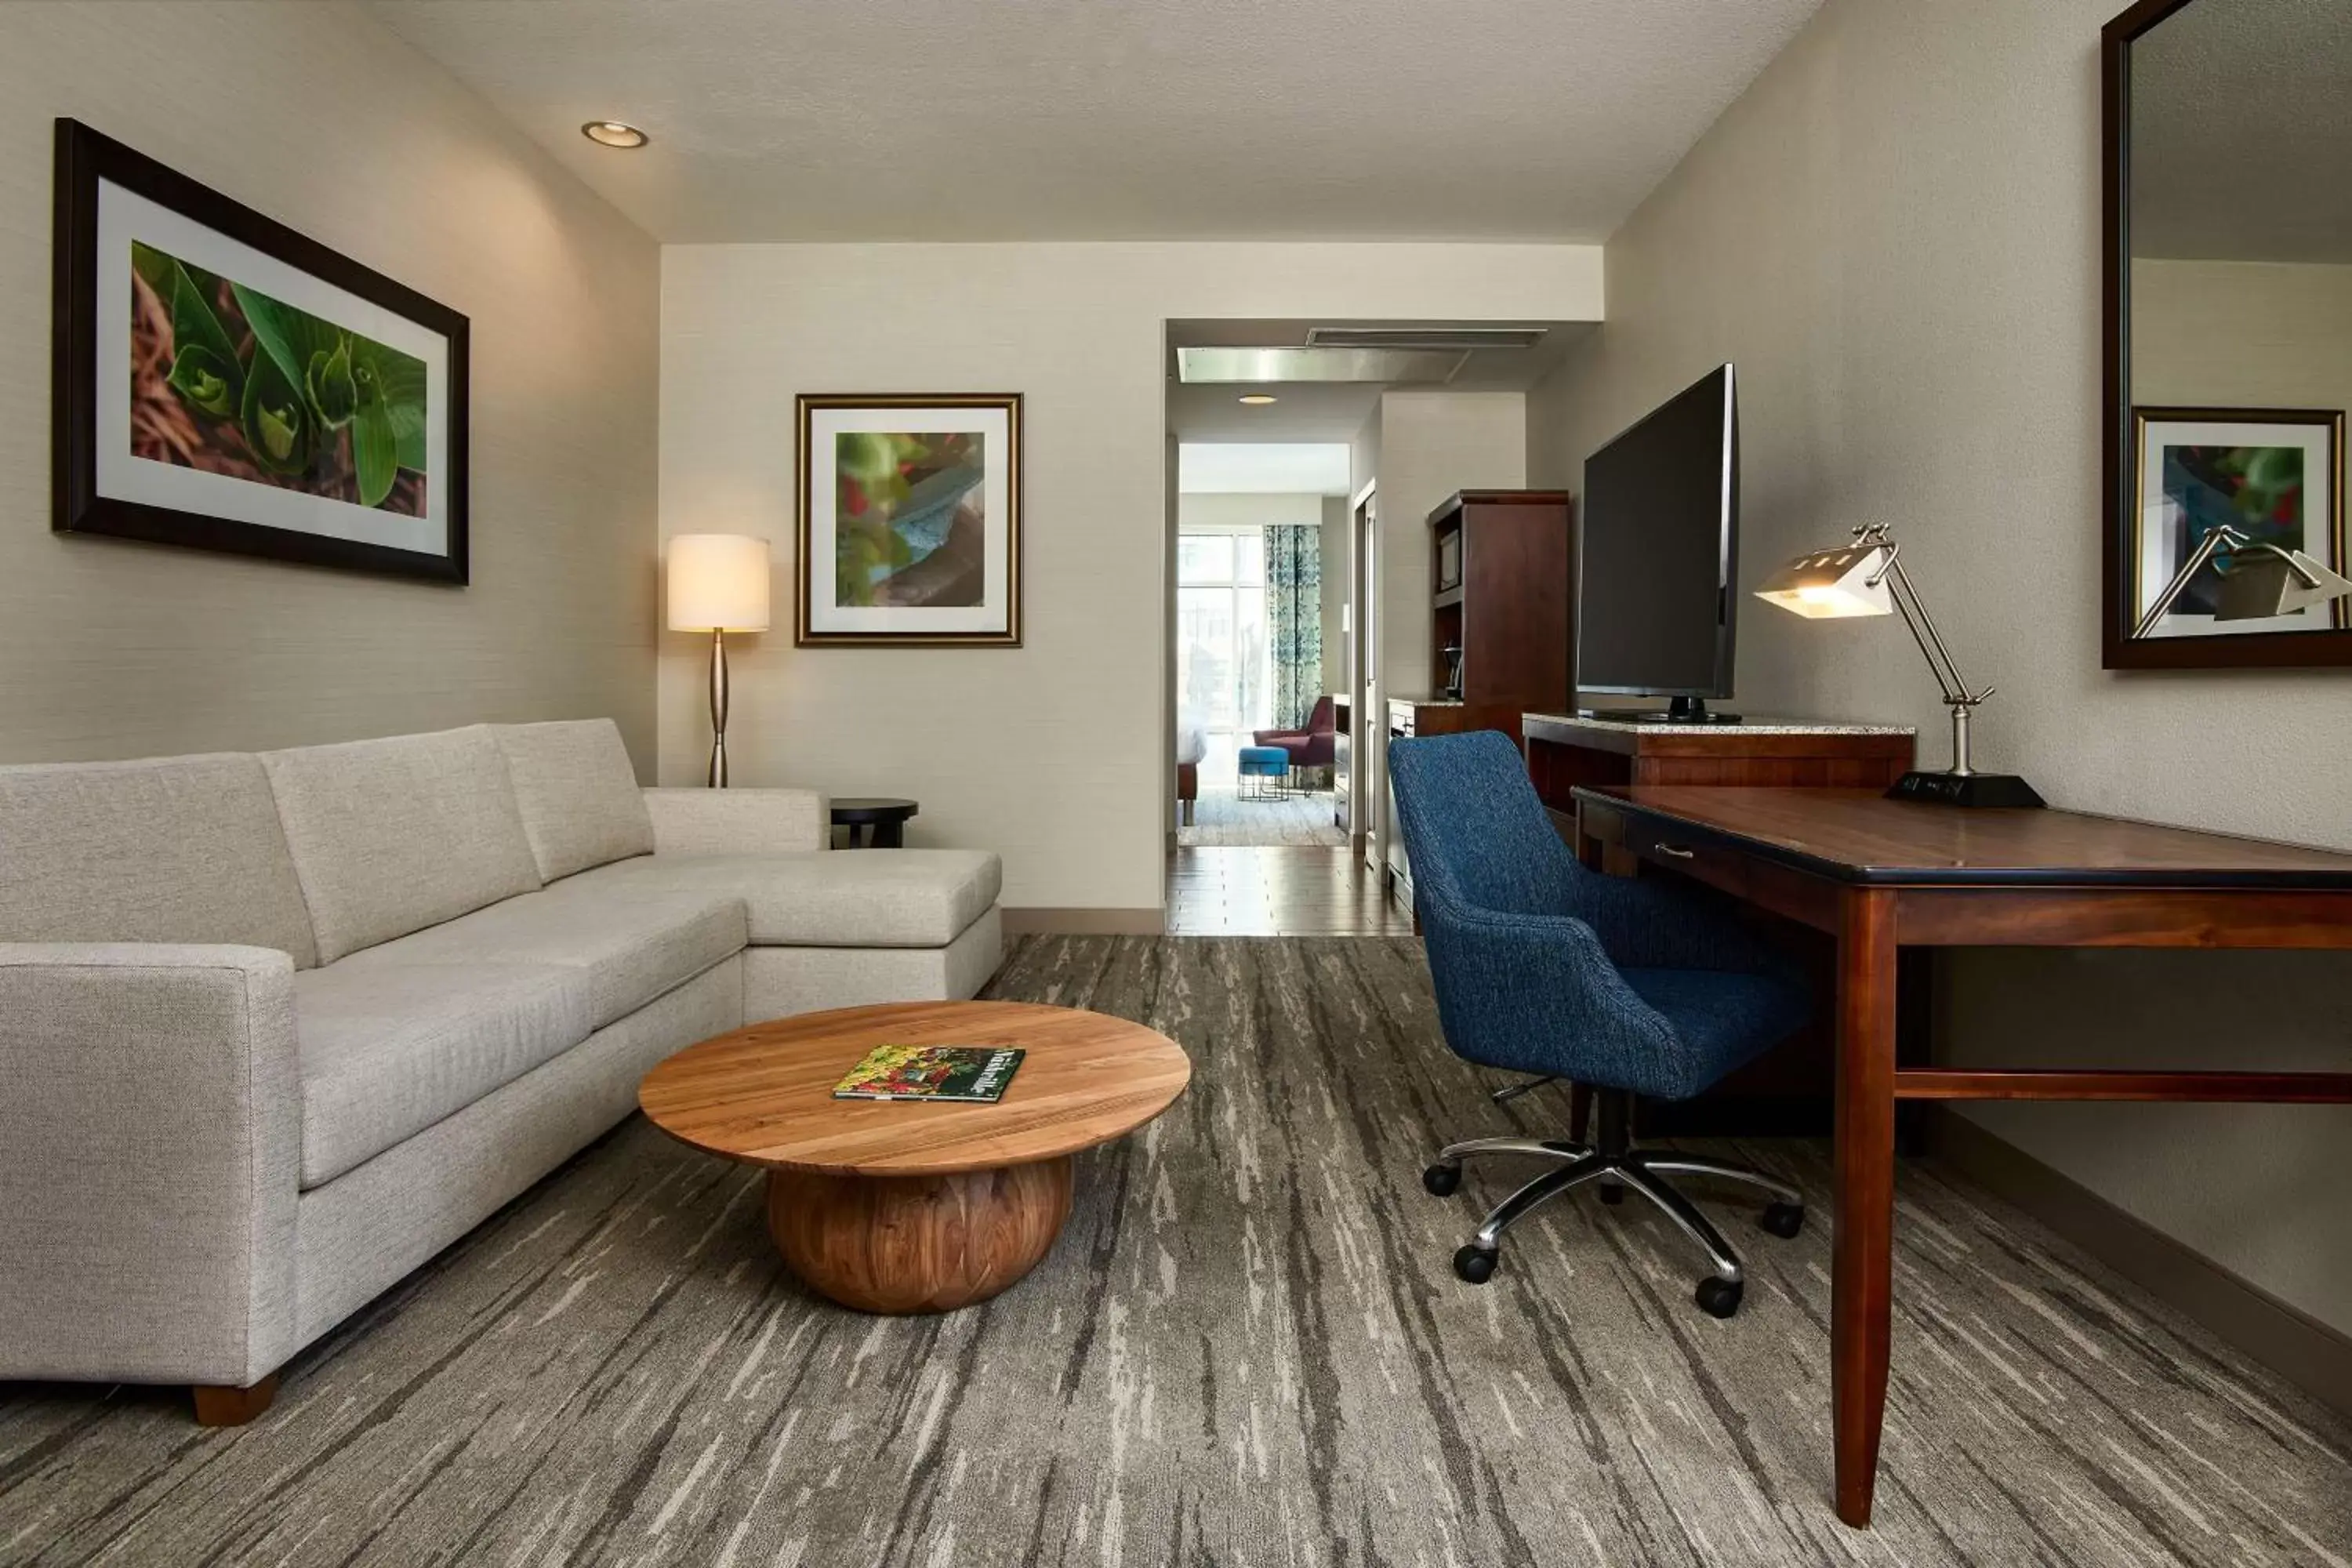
(1220, 817)
(1247, 1349)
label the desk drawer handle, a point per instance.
(1676, 850)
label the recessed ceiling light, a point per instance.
(613, 134)
(1257, 399)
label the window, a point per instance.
(1224, 674)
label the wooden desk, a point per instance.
(1785, 1092)
(1878, 875)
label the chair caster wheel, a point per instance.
(1475, 1265)
(1784, 1220)
(1718, 1298)
(1441, 1180)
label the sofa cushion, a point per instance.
(179, 850)
(392, 835)
(632, 946)
(577, 793)
(387, 1051)
(844, 898)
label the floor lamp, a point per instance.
(717, 583)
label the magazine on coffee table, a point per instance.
(965, 1074)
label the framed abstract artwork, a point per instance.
(910, 518)
(2274, 475)
(225, 383)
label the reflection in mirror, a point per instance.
(2238, 322)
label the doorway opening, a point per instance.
(1345, 434)
(1262, 581)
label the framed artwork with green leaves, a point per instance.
(910, 518)
(226, 382)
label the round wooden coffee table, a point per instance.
(901, 1206)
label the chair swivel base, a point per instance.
(1642, 1170)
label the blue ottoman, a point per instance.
(1264, 773)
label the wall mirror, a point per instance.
(2229, 332)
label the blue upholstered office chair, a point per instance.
(1629, 986)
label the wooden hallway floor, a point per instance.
(1285, 891)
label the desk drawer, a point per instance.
(1689, 855)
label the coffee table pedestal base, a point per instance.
(918, 1244)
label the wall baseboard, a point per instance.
(2307, 1352)
(1084, 921)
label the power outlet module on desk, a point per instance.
(1966, 789)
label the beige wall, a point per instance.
(1431, 444)
(1894, 234)
(2241, 334)
(1217, 511)
(1052, 754)
(316, 115)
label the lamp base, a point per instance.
(1966, 789)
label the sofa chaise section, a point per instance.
(825, 928)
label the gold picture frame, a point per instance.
(909, 525)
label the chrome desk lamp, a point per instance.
(1866, 578)
(2258, 580)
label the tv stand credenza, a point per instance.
(1569, 749)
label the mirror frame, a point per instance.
(2120, 480)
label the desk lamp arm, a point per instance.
(2220, 537)
(1958, 695)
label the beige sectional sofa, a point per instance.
(275, 1029)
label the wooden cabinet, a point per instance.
(1502, 599)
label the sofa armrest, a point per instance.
(739, 821)
(150, 1152)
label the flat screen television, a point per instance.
(1657, 554)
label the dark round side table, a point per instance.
(885, 821)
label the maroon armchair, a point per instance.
(1313, 747)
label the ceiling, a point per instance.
(1262, 467)
(1329, 410)
(2242, 132)
(950, 120)
(1319, 411)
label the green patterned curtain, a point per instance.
(1294, 616)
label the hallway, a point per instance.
(1232, 890)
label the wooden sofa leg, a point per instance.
(218, 1407)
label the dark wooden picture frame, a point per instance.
(2119, 488)
(807, 406)
(84, 159)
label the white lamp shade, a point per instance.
(2276, 581)
(718, 582)
(1830, 584)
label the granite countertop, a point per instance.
(1745, 726)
